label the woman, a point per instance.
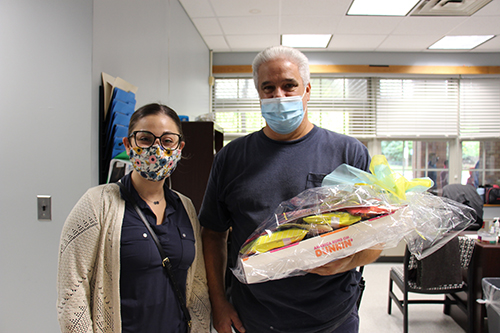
(110, 276)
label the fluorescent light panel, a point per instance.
(459, 42)
(382, 7)
(306, 41)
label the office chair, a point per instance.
(431, 276)
(467, 195)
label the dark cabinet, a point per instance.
(190, 177)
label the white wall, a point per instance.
(153, 45)
(45, 108)
(51, 56)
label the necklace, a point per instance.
(157, 202)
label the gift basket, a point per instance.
(352, 211)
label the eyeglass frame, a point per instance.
(181, 139)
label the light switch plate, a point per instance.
(44, 207)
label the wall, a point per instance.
(45, 104)
(153, 45)
(51, 56)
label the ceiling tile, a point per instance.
(315, 7)
(359, 25)
(198, 8)
(400, 43)
(423, 25)
(355, 42)
(249, 25)
(308, 24)
(216, 43)
(491, 9)
(491, 45)
(207, 26)
(252, 42)
(235, 20)
(226, 8)
(485, 25)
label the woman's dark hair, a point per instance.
(154, 109)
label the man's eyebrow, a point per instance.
(291, 80)
(265, 83)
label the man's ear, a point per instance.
(308, 91)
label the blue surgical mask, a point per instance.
(283, 114)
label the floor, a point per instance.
(427, 318)
(373, 315)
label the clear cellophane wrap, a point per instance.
(353, 211)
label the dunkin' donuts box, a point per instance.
(295, 258)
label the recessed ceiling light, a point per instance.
(459, 42)
(306, 41)
(382, 7)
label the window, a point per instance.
(415, 159)
(375, 107)
(417, 107)
(479, 108)
(399, 155)
(343, 105)
(410, 120)
(235, 104)
(481, 162)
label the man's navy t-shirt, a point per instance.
(250, 177)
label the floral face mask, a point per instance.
(154, 163)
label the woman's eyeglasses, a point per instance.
(146, 139)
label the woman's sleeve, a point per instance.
(77, 254)
(197, 301)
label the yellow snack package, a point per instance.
(335, 219)
(276, 239)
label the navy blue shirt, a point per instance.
(148, 301)
(250, 177)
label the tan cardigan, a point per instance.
(89, 266)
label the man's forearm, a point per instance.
(365, 257)
(215, 253)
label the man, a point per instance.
(433, 159)
(443, 176)
(250, 177)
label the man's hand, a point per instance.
(346, 264)
(215, 252)
(224, 315)
(334, 267)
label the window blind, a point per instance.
(479, 108)
(343, 105)
(412, 108)
(236, 106)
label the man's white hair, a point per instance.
(283, 52)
